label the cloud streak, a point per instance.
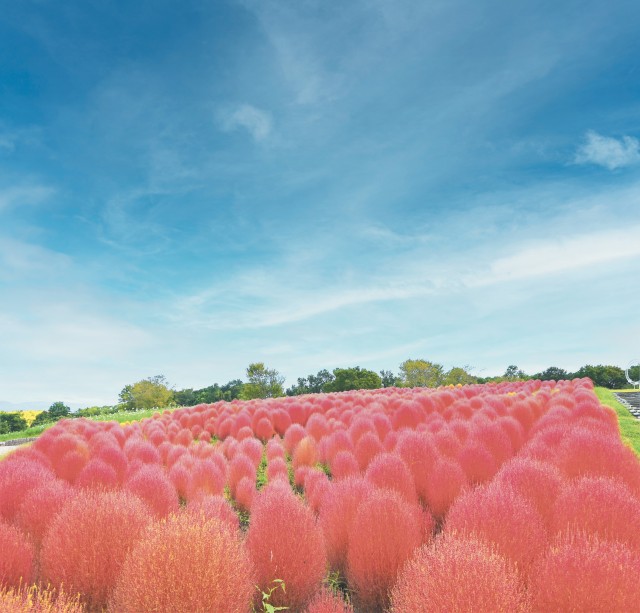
(609, 152)
(256, 122)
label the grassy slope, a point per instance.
(629, 425)
(125, 416)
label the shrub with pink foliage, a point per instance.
(137, 449)
(456, 574)
(417, 449)
(252, 448)
(245, 493)
(107, 524)
(40, 505)
(503, 518)
(581, 572)
(241, 466)
(214, 507)
(344, 465)
(181, 565)
(206, 478)
(154, 487)
(17, 478)
(16, 561)
(294, 434)
(445, 481)
(325, 601)
(98, 474)
(539, 482)
(367, 448)
(286, 543)
(337, 512)
(274, 449)
(477, 461)
(599, 506)
(384, 534)
(387, 470)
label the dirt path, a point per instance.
(5, 449)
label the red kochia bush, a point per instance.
(387, 470)
(326, 601)
(305, 453)
(286, 543)
(17, 478)
(445, 481)
(344, 465)
(337, 512)
(583, 573)
(385, 532)
(152, 485)
(86, 545)
(503, 518)
(16, 561)
(214, 507)
(455, 575)
(601, 506)
(186, 566)
(41, 505)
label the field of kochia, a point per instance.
(511, 497)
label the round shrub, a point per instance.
(285, 543)
(387, 470)
(184, 566)
(106, 524)
(384, 534)
(581, 572)
(326, 601)
(16, 561)
(455, 575)
(152, 485)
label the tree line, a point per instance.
(263, 382)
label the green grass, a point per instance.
(629, 425)
(121, 417)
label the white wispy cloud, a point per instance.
(255, 121)
(20, 260)
(16, 196)
(612, 153)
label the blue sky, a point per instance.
(188, 187)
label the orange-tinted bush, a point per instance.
(384, 534)
(455, 575)
(107, 524)
(305, 453)
(285, 543)
(38, 600)
(326, 601)
(184, 566)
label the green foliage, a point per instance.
(262, 382)
(261, 475)
(421, 373)
(355, 378)
(58, 410)
(389, 379)
(629, 425)
(208, 395)
(553, 373)
(458, 376)
(313, 384)
(147, 394)
(267, 607)
(12, 422)
(513, 373)
(612, 377)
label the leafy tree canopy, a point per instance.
(262, 382)
(147, 394)
(458, 376)
(612, 377)
(421, 373)
(313, 384)
(355, 378)
(12, 422)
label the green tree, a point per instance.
(612, 377)
(458, 376)
(313, 384)
(355, 378)
(513, 373)
(389, 379)
(553, 373)
(12, 422)
(149, 393)
(421, 373)
(262, 382)
(58, 410)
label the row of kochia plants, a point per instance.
(512, 497)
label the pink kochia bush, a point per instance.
(87, 543)
(581, 572)
(456, 575)
(326, 601)
(385, 532)
(16, 559)
(186, 564)
(286, 543)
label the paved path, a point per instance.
(5, 449)
(631, 400)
